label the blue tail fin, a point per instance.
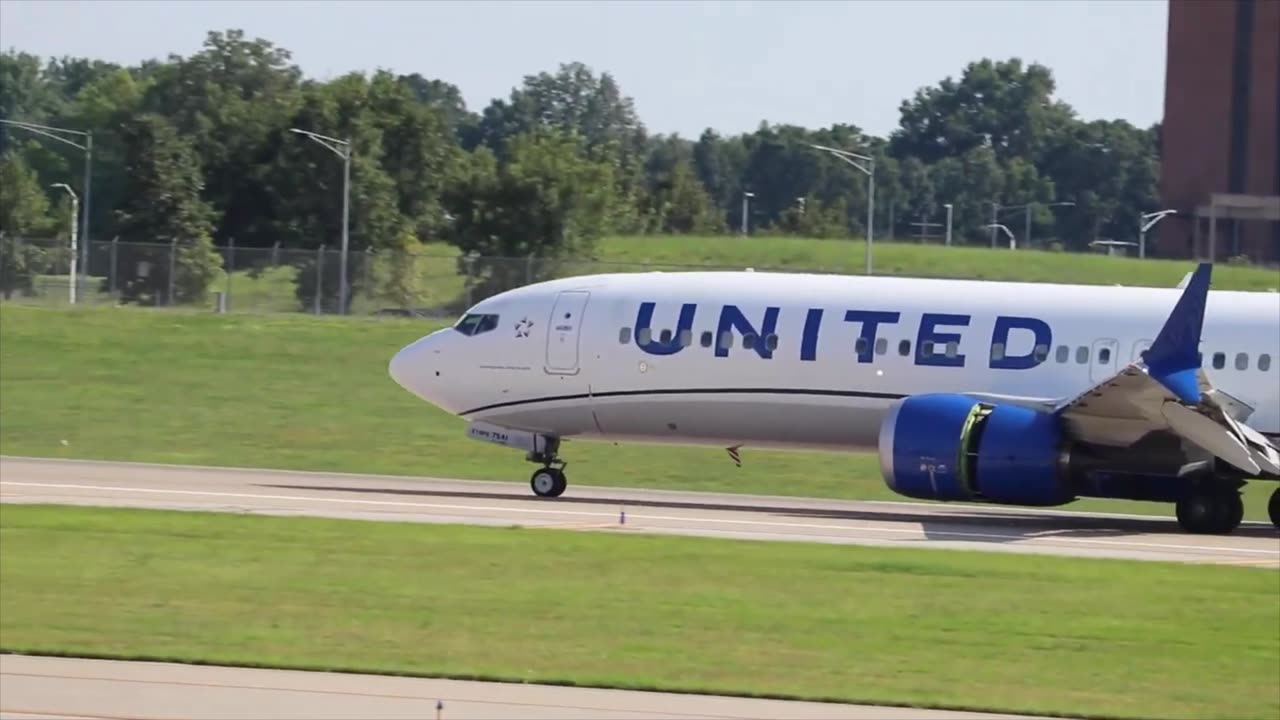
(1174, 358)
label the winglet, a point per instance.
(1174, 358)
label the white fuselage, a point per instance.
(568, 358)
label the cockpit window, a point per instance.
(476, 323)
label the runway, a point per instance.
(890, 524)
(48, 688)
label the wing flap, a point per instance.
(1169, 390)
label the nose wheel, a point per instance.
(548, 482)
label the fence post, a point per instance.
(368, 260)
(173, 267)
(115, 256)
(469, 260)
(275, 253)
(319, 279)
(231, 266)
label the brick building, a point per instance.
(1221, 130)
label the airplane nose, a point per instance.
(411, 367)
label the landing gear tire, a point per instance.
(1273, 508)
(548, 482)
(1210, 513)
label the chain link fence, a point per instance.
(37, 271)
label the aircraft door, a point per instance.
(564, 331)
(1103, 359)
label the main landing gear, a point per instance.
(548, 481)
(1273, 508)
(1215, 511)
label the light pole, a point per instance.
(341, 148)
(995, 218)
(71, 279)
(1027, 234)
(867, 165)
(1145, 223)
(996, 209)
(87, 147)
(746, 199)
(1013, 243)
(949, 208)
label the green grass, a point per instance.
(848, 256)
(312, 393)
(929, 628)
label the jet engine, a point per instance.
(953, 447)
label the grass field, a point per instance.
(929, 628)
(916, 260)
(307, 393)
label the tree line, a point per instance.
(198, 151)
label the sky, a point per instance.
(688, 64)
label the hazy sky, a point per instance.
(689, 64)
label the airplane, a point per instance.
(1007, 393)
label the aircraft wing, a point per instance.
(1168, 390)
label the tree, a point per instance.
(550, 199)
(226, 101)
(24, 211)
(163, 204)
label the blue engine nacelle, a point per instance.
(952, 447)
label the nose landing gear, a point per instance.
(548, 481)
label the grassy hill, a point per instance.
(440, 285)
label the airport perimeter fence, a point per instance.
(279, 280)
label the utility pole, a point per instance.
(867, 165)
(71, 277)
(948, 206)
(56, 133)
(1145, 222)
(341, 148)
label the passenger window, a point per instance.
(1104, 355)
(1082, 355)
(771, 343)
(997, 351)
(860, 346)
(707, 338)
(1219, 360)
(926, 349)
(644, 335)
(1042, 353)
(1264, 362)
(1064, 353)
(665, 337)
(624, 336)
(748, 341)
(953, 349)
(726, 339)
(904, 348)
(882, 346)
(686, 338)
(1242, 361)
